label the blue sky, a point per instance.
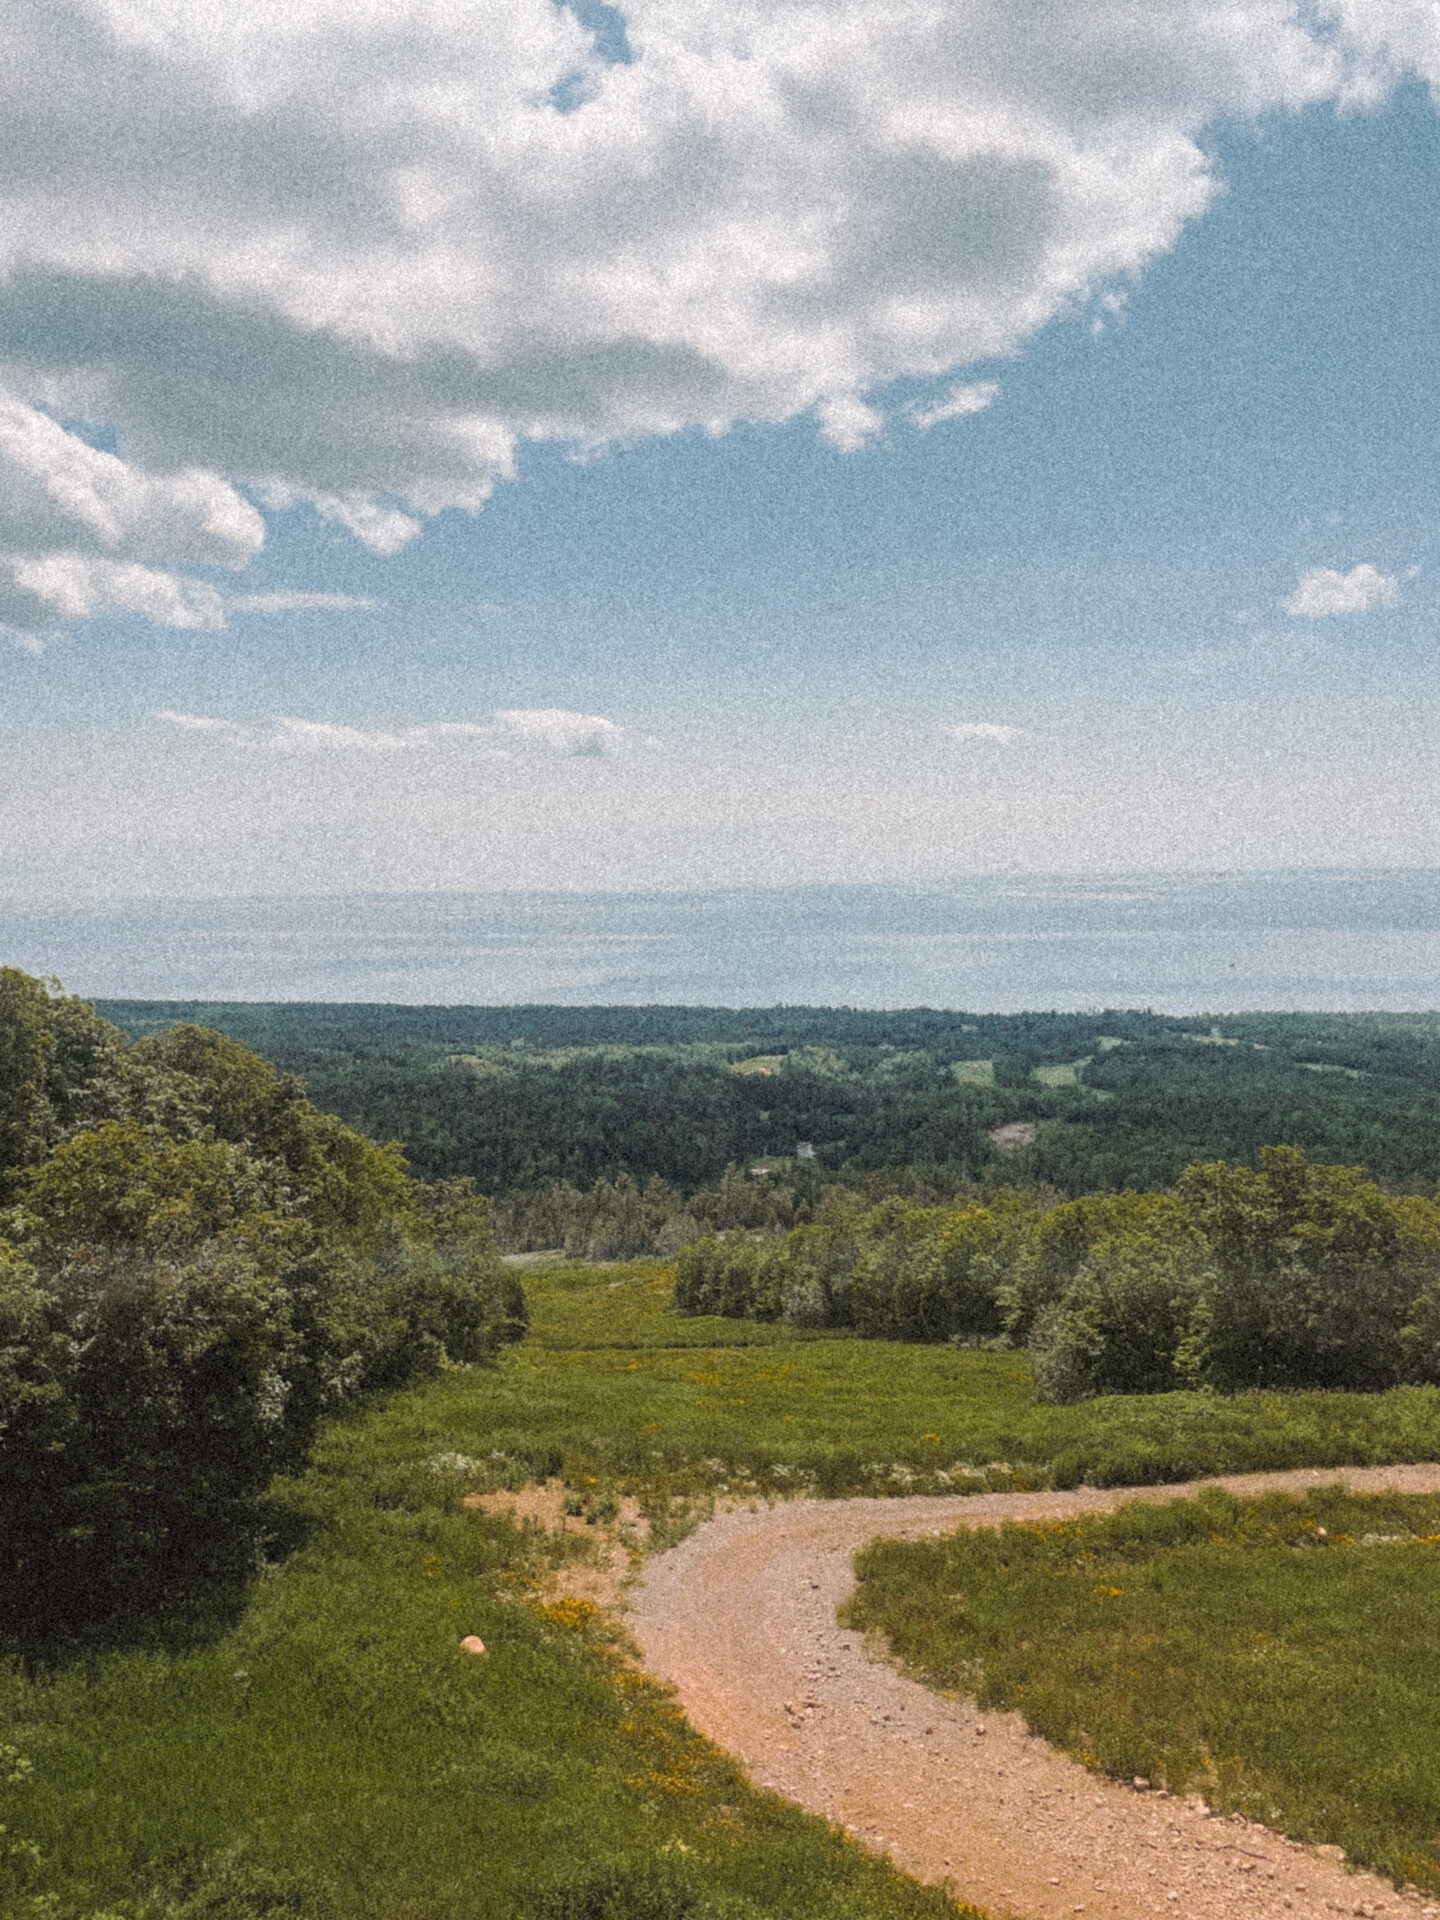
(726, 630)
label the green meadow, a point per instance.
(613, 1385)
(1281, 1656)
(319, 1744)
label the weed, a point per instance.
(1281, 1656)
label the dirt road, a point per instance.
(741, 1620)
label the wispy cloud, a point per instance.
(549, 729)
(286, 734)
(287, 600)
(562, 731)
(1323, 592)
(986, 730)
(957, 404)
(203, 723)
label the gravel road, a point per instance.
(740, 1619)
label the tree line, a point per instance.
(196, 1265)
(1291, 1274)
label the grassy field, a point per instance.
(613, 1386)
(1282, 1656)
(327, 1719)
(974, 1073)
(330, 1727)
(1066, 1075)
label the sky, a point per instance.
(486, 445)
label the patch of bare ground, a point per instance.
(1013, 1135)
(740, 1620)
(607, 1551)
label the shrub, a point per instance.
(1125, 1323)
(186, 1288)
(1317, 1274)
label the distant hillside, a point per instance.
(519, 1097)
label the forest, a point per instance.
(528, 1099)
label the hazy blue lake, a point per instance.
(1175, 942)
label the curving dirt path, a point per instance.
(740, 1619)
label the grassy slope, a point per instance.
(1282, 1655)
(334, 1724)
(612, 1385)
(336, 1728)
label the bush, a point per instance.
(190, 1281)
(732, 1277)
(1318, 1274)
(1126, 1322)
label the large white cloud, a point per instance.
(357, 251)
(78, 527)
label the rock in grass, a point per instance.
(472, 1643)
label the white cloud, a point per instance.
(38, 591)
(985, 730)
(203, 723)
(847, 422)
(549, 728)
(320, 736)
(286, 734)
(80, 530)
(1322, 592)
(357, 254)
(562, 732)
(289, 600)
(960, 401)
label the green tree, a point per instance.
(1317, 1272)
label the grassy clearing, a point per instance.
(369, 1767)
(974, 1073)
(1067, 1075)
(1282, 1656)
(331, 1724)
(613, 1387)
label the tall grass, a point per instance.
(364, 1765)
(1282, 1656)
(325, 1723)
(613, 1386)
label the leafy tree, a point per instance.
(1317, 1271)
(198, 1265)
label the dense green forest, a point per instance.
(526, 1098)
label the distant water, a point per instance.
(1179, 943)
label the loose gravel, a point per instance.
(740, 1619)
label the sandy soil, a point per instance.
(614, 1548)
(740, 1619)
